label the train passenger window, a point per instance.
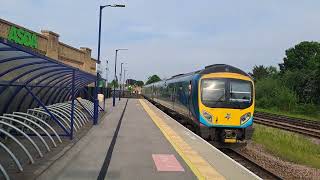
(240, 91)
(213, 90)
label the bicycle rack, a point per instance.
(38, 122)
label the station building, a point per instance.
(47, 43)
(36, 69)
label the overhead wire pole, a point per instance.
(96, 101)
(115, 77)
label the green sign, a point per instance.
(101, 83)
(23, 37)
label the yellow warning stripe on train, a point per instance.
(199, 166)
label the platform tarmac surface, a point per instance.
(138, 141)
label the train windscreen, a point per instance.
(226, 93)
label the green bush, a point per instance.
(272, 93)
(308, 109)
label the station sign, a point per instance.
(23, 37)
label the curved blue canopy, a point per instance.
(49, 79)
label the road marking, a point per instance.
(199, 166)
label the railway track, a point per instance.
(252, 166)
(305, 127)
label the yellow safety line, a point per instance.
(200, 167)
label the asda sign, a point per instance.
(20, 36)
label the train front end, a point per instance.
(226, 106)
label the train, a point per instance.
(216, 102)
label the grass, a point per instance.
(289, 114)
(288, 146)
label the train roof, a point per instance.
(215, 68)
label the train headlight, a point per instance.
(245, 117)
(207, 115)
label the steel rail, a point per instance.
(249, 164)
(289, 127)
(295, 121)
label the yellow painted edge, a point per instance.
(153, 116)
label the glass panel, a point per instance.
(213, 90)
(240, 91)
(226, 93)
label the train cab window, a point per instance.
(240, 91)
(213, 90)
(226, 93)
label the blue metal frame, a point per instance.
(64, 96)
(65, 83)
(45, 108)
(19, 88)
(53, 91)
(93, 99)
(26, 73)
(62, 74)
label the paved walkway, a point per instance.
(122, 149)
(137, 141)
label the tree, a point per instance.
(131, 81)
(113, 83)
(139, 83)
(305, 55)
(153, 79)
(301, 70)
(262, 72)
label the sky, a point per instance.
(170, 37)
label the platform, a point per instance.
(138, 141)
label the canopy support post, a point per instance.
(95, 101)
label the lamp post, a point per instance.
(115, 75)
(107, 69)
(106, 86)
(124, 80)
(96, 101)
(120, 82)
(100, 17)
